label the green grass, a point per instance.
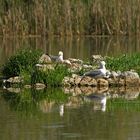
(50, 77)
(124, 62)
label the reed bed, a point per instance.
(69, 17)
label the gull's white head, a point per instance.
(103, 63)
(60, 53)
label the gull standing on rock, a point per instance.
(99, 73)
(58, 58)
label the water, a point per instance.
(38, 115)
(51, 114)
(81, 48)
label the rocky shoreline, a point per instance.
(113, 79)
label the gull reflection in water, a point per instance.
(99, 101)
(61, 110)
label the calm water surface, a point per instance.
(44, 115)
(40, 116)
(81, 48)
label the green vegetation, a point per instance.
(50, 77)
(69, 17)
(124, 62)
(22, 62)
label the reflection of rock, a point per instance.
(39, 86)
(75, 90)
(88, 81)
(27, 86)
(102, 82)
(15, 90)
(127, 93)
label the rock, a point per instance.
(102, 82)
(87, 67)
(45, 59)
(75, 67)
(77, 80)
(114, 75)
(67, 62)
(131, 78)
(16, 79)
(39, 86)
(97, 58)
(72, 60)
(131, 74)
(71, 81)
(45, 67)
(66, 81)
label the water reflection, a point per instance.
(53, 114)
(81, 48)
(46, 100)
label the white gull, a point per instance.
(98, 73)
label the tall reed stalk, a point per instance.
(69, 17)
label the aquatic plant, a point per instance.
(124, 62)
(50, 77)
(23, 60)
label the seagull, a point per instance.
(98, 73)
(58, 58)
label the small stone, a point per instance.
(45, 59)
(71, 81)
(77, 80)
(16, 79)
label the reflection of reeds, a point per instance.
(123, 105)
(69, 17)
